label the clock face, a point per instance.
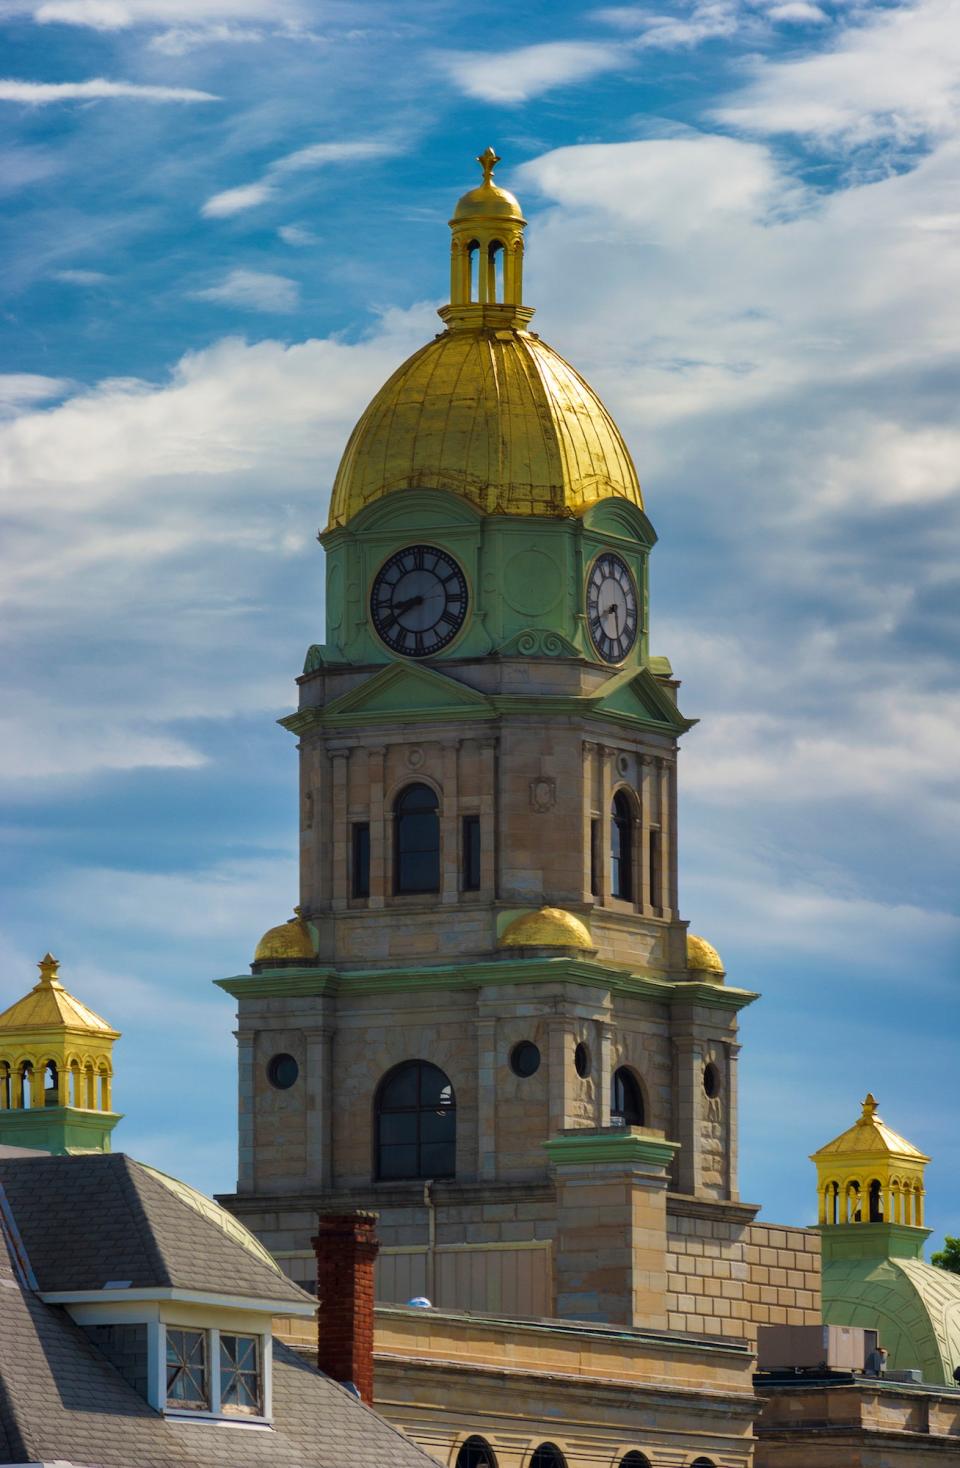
(612, 607)
(419, 601)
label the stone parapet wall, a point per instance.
(727, 1274)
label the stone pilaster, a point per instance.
(319, 1078)
(246, 1151)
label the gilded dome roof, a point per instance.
(48, 1006)
(488, 200)
(291, 939)
(550, 927)
(870, 1135)
(495, 416)
(702, 957)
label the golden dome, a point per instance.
(497, 417)
(48, 1006)
(870, 1135)
(702, 957)
(551, 927)
(486, 410)
(291, 939)
(488, 200)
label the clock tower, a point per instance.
(487, 1020)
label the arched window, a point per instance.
(621, 848)
(548, 1456)
(476, 1453)
(26, 1084)
(416, 1119)
(495, 271)
(626, 1099)
(634, 1460)
(417, 840)
(51, 1085)
(703, 1463)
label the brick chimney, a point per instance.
(346, 1247)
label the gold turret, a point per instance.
(56, 1070)
(869, 1174)
(486, 255)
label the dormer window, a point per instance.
(215, 1372)
(187, 1370)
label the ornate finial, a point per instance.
(49, 968)
(488, 161)
(297, 914)
(869, 1107)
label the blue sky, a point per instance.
(224, 225)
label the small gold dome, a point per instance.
(551, 927)
(702, 957)
(488, 200)
(291, 939)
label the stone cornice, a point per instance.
(627, 1147)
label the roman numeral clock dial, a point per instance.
(419, 601)
(612, 607)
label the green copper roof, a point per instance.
(915, 1307)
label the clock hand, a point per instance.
(398, 611)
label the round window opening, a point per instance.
(525, 1059)
(282, 1072)
(711, 1080)
(581, 1061)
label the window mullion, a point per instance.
(213, 1349)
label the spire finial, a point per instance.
(49, 968)
(869, 1107)
(488, 161)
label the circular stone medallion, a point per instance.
(532, 582)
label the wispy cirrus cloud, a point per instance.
(40, 94)
(19, 390)
(316, 155)
(253, 290)
(892, 75)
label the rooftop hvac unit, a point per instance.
(814, 1347)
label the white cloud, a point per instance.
(529, 71)
(181, 40)
(38, 94)
(798, 12)
(893, 75)
(19, 390)
(110, 15)
(235, 201)
(317, 155)
(296, 235)
(253, 290)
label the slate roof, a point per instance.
(123, 1222)
(61, 1400)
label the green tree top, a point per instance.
(949, 1256)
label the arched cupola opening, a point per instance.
(621, 847)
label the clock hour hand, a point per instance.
(398, 611)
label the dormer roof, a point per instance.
(89, 1220)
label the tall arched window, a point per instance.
(475, 1453)
(51, 1084)
(548, 1456)
(416, 1120)
(876, 1202)
(26, 1085)
(621, 848)
(417, 840)
(626, 1099)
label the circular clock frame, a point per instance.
(609, 576)
(419, 601)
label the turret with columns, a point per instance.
(56, 1070)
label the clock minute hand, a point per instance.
(396, 612)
